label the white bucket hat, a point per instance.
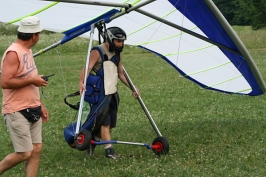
(30, 25)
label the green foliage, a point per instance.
(229, 13)
(254, 11)
(244, 12)
(210, 133)
(9, 29)
(6, 29)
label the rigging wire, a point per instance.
(63, 77)
(180, 36)
(212, 106)
(177, 59)
(156, 30)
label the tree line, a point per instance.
(244, 12)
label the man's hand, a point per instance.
(38, 81)
(81, 88)
(44, 115)
(136, 94)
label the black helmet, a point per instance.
(115, 33)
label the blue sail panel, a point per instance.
(85, 27)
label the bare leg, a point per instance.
(32, 163)
(106, 136)
(13, 159)
(105, 133)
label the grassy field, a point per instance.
(210, 134)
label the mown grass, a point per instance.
(210, 133)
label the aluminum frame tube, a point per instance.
(133, 88)
(47, 48)
(92, 3)
(237, 42)
(85, 80)
(186, 30)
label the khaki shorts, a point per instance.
(22, 132)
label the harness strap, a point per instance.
(76, 107)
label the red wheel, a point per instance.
(82, 140)
(160, 145)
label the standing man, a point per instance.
(21, 105)
(106, 61)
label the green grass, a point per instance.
(210, 133)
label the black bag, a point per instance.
(32, 114)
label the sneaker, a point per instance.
(110, 153)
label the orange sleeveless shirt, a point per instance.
(26, 97)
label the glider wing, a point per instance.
(191, 35)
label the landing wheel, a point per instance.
(82, 140)
(160, 145)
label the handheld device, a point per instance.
(46, 77)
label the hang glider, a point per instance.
(191, 35)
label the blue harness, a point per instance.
(101, 105)
(95, 95)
